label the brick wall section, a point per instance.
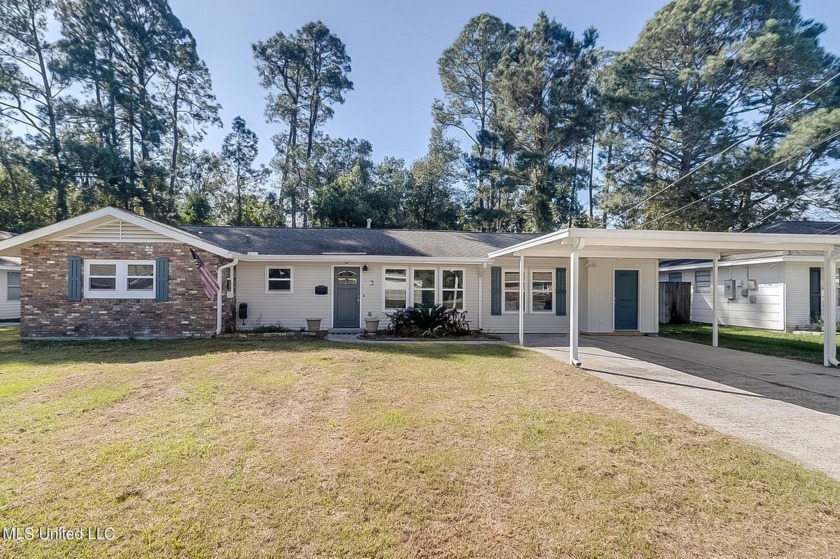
(46, 312)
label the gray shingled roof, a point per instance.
(801, 228)
(374, 242)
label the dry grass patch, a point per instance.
(278, 448)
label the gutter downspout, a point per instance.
(219, 293)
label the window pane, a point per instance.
(394, 299)
(542, 302)
(425, 298)
(280, 273)
(347, 278)
(395, 279)
(140, 284)
(424, 279)
(13, 293)
(13, 279)
(512, 301)
(453, 299)
(543, 276)
(106, 284)
(138, 270)
(103, 269)
(279, 285)
(675, 276)
(511, 277)
(453, 279)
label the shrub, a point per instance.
(429, 321)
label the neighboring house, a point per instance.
(774, 290)
(9, 285)
(112, 273)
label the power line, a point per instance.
(736, 183)
(783, 114)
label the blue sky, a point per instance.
(394, 46)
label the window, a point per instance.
(675, 276)
(278, 280)
(703, 280)
(13, 286)
(424, 287)
(396, 288)
(120, 279)
(511, 291)
(452, 289)
(348, 277)
(542, 291)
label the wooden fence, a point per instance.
(674, 302)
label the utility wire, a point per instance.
(736, 183)
(783, 114)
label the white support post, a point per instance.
(715, 301)
(521, 299)
(829, 308)
(574, 314)
(480, 297)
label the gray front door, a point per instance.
(346, 284)
(626, 299)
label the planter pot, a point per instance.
(313, 324)
(371, 324)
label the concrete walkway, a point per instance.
(788, 407)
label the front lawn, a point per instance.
(804, 347)
(305, 448)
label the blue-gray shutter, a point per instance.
(74, 278)
(560, 281)
(495, 290)
(162, 279)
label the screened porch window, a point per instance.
(542, 291)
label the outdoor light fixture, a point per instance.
(365, 268)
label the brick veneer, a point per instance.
(46, 312)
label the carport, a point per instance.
(596, 272)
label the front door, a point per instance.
(346, 282)
(814, 292)
(626, 299)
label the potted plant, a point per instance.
(371, 324)
(313, 324)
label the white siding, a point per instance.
(797, 280)
(292, 309)
(8, 309)
(116, 231)
(535, 323)
(600, 308)
(767, 312)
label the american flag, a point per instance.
(211, 288)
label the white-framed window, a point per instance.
(424, 286)
(395, 288)
(279, 279)
(542, 291)
(13, 286)
(703, 280)
(510, 291)
(119, 279)
(452, 288)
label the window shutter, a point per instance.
(560, 281)
(74, 278)
(495, 290)
(162, 279)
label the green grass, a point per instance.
(803, 347)
(304, 448)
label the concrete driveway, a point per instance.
(788, 407)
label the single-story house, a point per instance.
(774, 290)
(112, 273)
(9, 285)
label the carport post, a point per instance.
(829, 313)
(715, 301)
(521, 299)
(574, 318)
